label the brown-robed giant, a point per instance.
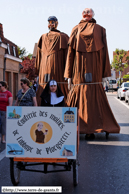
(51, 57)
(87, 63)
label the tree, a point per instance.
(120, 61)
(126, 76)
(29, 67)
(23, 53)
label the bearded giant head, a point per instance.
(52, 22)
(87, 14)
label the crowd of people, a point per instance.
(70, 72)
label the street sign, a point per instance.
(41, 132)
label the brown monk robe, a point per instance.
(39, 136)
(51, 58)
(87, 63)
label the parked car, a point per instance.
(127, 96)
(113, 84)
(122, 89)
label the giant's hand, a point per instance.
(69, 84)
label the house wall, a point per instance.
(11, 76)
(1, 74)
(12, 66)
(9, 64)
(9, 71)
(2, 52)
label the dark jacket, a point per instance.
(46, 97)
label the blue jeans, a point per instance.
(3, 122)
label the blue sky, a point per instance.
(25, 21)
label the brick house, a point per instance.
(67, 152)
(10, 64)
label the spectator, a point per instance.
(26, 96)
(31, 83)
(35, 84)
(107, 85)
(6, 99)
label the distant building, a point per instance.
(35, 50)
(67, 152)
(14, 115)
(69, 116)
(113, 74)
(9, 64)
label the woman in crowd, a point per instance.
(6, 99)
(52, 95)
(26, 96)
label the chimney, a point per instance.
(1, 32)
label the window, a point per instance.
(126, 85)
(14, 52)
(8, 49)
(112, 82)
(0, 39)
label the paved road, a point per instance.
(104, 164)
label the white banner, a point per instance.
(41, 132)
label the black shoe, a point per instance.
(107, 134)
(90, 136)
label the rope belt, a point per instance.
(76, 84)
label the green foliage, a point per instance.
(23, 53)
(120, 60)
(118, 63)
(11, 114)
(126, 76)
(29, 55)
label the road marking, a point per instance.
(2, 155)
(123, 124)
(110, 143)
(127, 106)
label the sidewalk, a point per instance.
(110, 92)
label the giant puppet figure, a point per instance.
(87, 63)
(51, 57)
